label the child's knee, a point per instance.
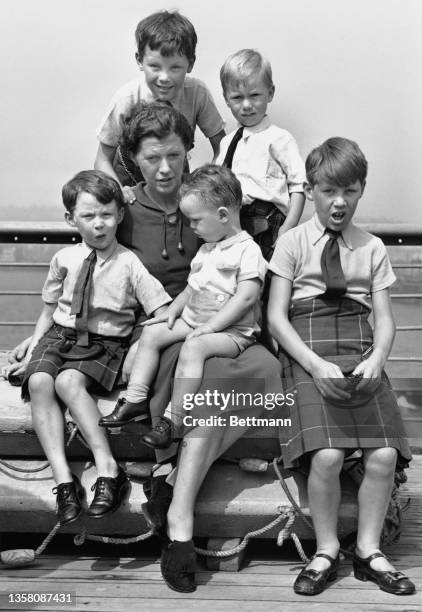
(192, 350)
(68, 384)
(327, 461)
(40, 383)
(151, 336)
(381, 461)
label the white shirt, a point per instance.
(267, 163)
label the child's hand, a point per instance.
(329, 380)
(200, 331)
(128, 362)
(128, 195)
(19, 352)
(17, 368)
(370, 370)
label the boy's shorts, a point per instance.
(103, 369)
(262, 220)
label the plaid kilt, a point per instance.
(337, 327)
(262, 220)
(104, 369)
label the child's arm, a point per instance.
(173, 311)
(104, 161)
(45, 321)
(215, 143)
(384, 332)
(237, 306)
(282, 330)
(297, 203)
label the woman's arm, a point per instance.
(323, 372)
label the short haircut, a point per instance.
(242, 65)
(156, 119)
(339, 161)
(216, 185)
(97, 183)
(169, 32)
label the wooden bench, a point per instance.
(232, 502)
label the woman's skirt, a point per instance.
(338, 331)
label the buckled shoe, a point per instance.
(391, 582)
(312, 582)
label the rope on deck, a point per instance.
(80, 538)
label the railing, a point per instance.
(50, 233)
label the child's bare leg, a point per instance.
(373, 498)
(71, 387)
(190, 367)
(153, 340)
(324, 499)
(48, 421)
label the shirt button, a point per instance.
(220, 297)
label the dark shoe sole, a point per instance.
(122, 494)
(141, 417)
(179, 589)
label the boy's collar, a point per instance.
(318, 231)
(100, 256)
(259, 127)
(228, 242)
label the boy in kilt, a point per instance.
(327, 277)
(91, 297)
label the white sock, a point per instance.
(136, 392)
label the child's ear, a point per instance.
(120, 215)
(271, 91)
(190, 67)
(309, 191)
(363, 187)
(223, 213)
(139, 61)
(69, 218)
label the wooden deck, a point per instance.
(101, 582)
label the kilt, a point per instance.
(332, 328)
(103, 369)
(262, 220)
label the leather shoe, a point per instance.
(392, 582)
(178, 560)
(109, 494)
(156, 508)
(69, 500)
(160, 435)
(125, 412)
(312, 582)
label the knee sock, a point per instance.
(136, 392)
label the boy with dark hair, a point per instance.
(166, 43)
(92, 293)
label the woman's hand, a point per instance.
(329, 380)
(128, 194)
(200, 331)
(169, 316)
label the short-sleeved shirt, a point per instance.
(216, 271)
(364, 260)
(194, 101)
(267, 163)
(120, 283)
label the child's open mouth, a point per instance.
(338, 216)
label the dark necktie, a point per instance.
(332, 272)
(79, 306)
(228, 160)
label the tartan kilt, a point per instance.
(337, 327)
(103, 369)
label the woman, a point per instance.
(158, 138)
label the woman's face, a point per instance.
(161, 162)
